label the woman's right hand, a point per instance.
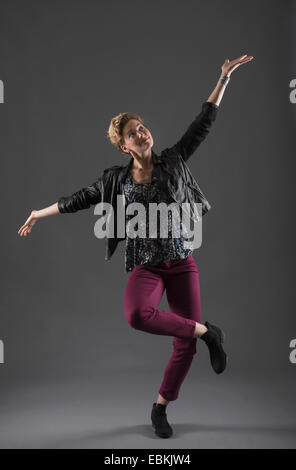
(27, 227)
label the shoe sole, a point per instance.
(222, 339)
(161, 435)
(222, 335)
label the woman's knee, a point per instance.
(137, 316)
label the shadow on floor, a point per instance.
(99, 439)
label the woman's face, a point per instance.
(137, 138)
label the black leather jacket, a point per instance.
(169, 168)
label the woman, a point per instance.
(157, 263)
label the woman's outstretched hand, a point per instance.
(27, 227)
(230, 65)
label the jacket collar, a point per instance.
(125, 169)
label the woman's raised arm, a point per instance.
(200, 127)
(226, 70)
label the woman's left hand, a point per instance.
(229, 66)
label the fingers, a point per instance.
(21, 229)
(236, 63)
(24, 230)
(246, 59)
(242, 59)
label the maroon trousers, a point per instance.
(143, 293)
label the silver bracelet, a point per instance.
(224, 80)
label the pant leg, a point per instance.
(142, 296)
(183, 294)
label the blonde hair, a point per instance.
(114, 133)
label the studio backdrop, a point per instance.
(73, 372)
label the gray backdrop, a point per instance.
(75, 373)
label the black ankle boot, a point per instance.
(214, 338)
(159, 420)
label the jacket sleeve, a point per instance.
(197, 130)
(82, 199)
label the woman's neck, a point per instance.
(142, 163)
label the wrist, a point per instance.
(225, 75)
(224, 79)
(35, 214)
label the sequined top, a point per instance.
(145, 249)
